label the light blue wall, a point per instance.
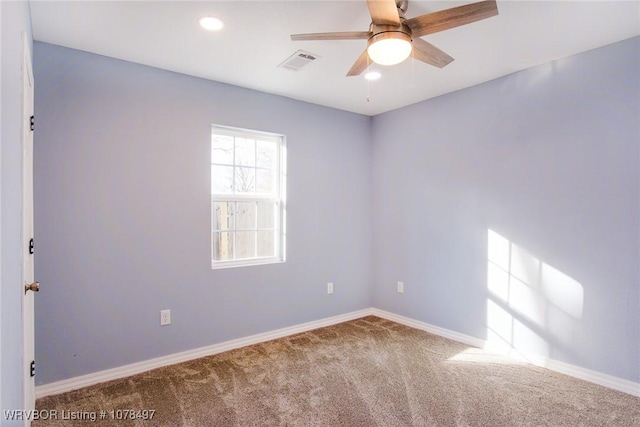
(122, 184)
(548, 158)
(16, 19)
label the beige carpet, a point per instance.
(366, 372)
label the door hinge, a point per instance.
(32, 369)
(33, 122)
(31, 246)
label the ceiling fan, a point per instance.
(392, 38)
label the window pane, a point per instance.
(245, 152)
(266, 246)
(221, 179)
(222, 246)
(222, 216)
(266, 215)
(245, 244)
(266, 154)
(265, 181)
(246, 216)
(222, 149)
(245, 180)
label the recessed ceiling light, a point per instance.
(373, 75)
(211, 23)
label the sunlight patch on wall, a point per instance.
(562, 290)
(500, 324)
(531, 304)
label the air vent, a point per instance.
(298, 60)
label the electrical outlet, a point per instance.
(330, 288)
(165, 317)
(400, 288)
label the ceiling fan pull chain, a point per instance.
(368, 81)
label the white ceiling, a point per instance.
(255, 40)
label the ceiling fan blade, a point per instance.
(451, 18)
(346, 35)
(426, 52)
(384, 12)
(361, 64)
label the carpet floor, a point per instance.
(366, 372)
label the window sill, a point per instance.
(217, 265)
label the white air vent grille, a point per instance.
(298, 60)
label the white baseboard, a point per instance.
(605, 380)
(609, 381)
(595, 377)
(147, 365)
(436, 330)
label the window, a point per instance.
(247, 197)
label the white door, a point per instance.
(29, 286)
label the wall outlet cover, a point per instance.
(165, 317)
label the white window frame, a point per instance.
(278, 198)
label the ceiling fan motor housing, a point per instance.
(381, 32)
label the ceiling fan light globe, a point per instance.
(389, 51)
